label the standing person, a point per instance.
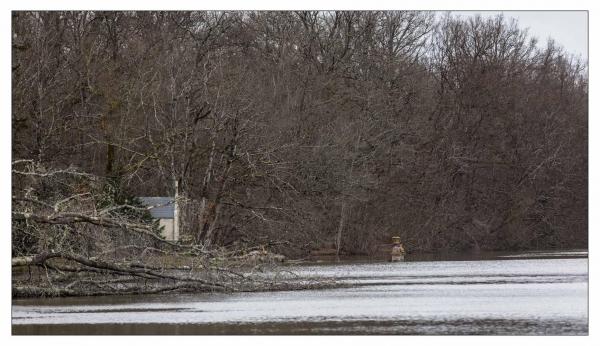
(398, 251)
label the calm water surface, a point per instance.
(534, 293)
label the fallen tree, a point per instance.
(67, 243)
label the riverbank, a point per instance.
(243, 275)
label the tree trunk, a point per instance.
(212, 226)
(204, 212)
(211, 215)
(176, 212)
(347, 187)
(338, 240)
(206, 219)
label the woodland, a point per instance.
(284, 133)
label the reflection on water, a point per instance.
(510, 296)
(399, 327)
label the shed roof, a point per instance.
(160, 207)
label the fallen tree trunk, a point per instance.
(36, 291)
(100, 266)
(67, 274)
(33, 260)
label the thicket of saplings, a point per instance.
(285, 132)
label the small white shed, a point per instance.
(165, 210)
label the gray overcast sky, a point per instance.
(567, 28)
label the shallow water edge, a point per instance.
(509, 295)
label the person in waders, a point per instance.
(398, 251)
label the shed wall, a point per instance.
(167, 232)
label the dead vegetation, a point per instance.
(65, 243)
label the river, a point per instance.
(535, 293)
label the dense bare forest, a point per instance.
(291, 130)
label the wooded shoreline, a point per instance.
(298, 130)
